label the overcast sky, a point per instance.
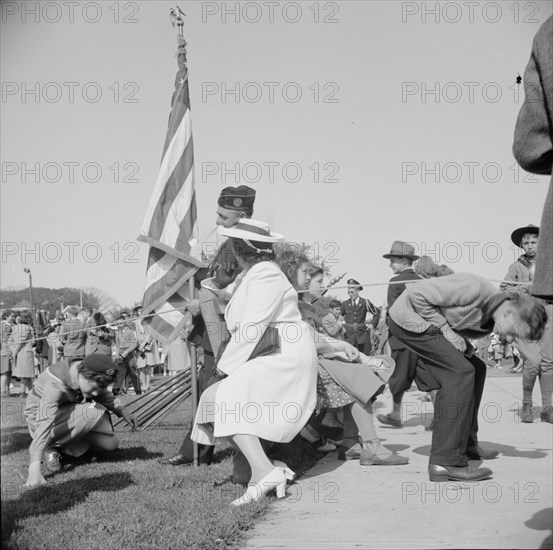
(358, 123)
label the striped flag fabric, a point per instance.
(170, 226)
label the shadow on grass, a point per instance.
(15, 439)
(119, 455)
(55, 498)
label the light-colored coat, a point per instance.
(22, 338)
(456, 301)
(272, 396)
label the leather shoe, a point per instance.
(177, 460)
(390, 420)
(370, 459)
(453, 473)
(477, 453)
(547, 415)
(52, 461)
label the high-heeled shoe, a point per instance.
(289, 474)
(275, 479)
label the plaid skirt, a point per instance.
(73, 421)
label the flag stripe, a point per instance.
(180, 200)
(172, 176)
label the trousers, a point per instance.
(460, 381)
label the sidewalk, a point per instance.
(341, 505)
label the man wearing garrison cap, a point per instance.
(234, 203)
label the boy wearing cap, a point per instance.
(401, 257)
(354, 310)
(521, 272)
(537, 356)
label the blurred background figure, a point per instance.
(99, 337)
(22, 338)
(6, 355)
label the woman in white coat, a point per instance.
(270, 396)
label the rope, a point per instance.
(323, 289)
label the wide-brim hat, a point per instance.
(517, 234)
(251, 230)
(354, 283)
(403, 250)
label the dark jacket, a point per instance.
(395, 291)
(533, 145)
(354, 316)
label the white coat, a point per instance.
(271, 397)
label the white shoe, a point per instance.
(290, 475)
(275, 479)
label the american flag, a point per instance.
(170, 226)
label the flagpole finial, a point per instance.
(176, 16)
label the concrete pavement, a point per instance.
(341, 505)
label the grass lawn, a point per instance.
(128, 501)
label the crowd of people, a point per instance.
(76, 333)
(274, 364)
(314, 365)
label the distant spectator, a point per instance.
(126, 344)
(22, 346)
(6, 355)
(99, 338)
(148, 358)
(86, 315)
(333, 322)
(358, 312)
(73, 335)
(55, 346)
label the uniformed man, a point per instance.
(355, 310)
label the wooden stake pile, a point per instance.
(154, 405)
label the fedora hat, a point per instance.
(251, 230)
(516, 235)
(354, 283)
(402, 249)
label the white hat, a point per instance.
(253, 230)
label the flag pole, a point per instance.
(193, 376)
(176, 17)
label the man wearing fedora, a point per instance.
(355, 310)
(537, 356)
(234, 204)
(401, 257)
